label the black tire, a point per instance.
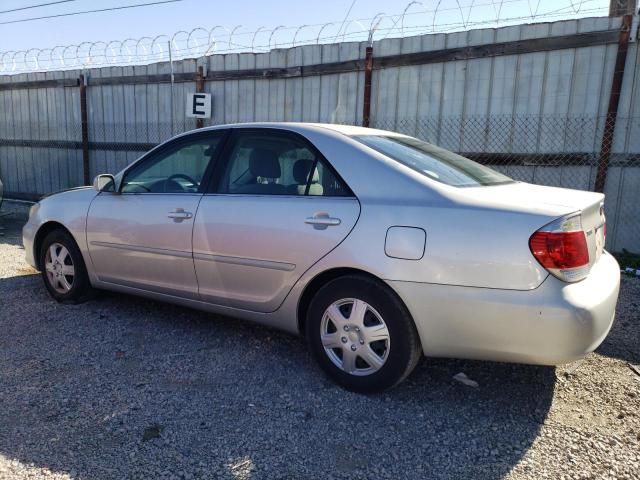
(80, 290)
(404, 350)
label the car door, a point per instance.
(274, 209)
(140, 236)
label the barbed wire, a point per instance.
(201, 41)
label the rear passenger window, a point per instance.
(273, 163)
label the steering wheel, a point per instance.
(183, 176)
(128, 186)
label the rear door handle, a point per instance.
(179, 215)
(322, 220)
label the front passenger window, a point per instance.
(177, 170)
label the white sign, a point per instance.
(199, 105)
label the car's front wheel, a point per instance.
(361, 334)
(63, 269)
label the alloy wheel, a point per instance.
(59, 267)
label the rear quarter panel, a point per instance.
(471, 247)
(475, 237)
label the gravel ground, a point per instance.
(126, 388)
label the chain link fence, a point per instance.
(548, 150)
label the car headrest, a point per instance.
(210, 150)
(264, 163)
(301, 171)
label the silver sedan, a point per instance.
(377, 247)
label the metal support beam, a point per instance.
(614, 100)
(200, 89)
(617, 8)
(368, 74)
(85, 131)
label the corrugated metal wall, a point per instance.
(572, 82)
(559, 98)
(42, 114)
(335, 98)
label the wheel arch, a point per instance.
(325, 277)
(44, 230)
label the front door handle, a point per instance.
(322, 220)
(179, 215)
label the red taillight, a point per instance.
(560, 250)
(561, 247)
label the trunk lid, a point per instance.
(553, 202)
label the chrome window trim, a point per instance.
(259, 195)
(191, 194)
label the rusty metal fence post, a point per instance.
(614, 100)
(368, 74)
(200, 89)
(85, 130)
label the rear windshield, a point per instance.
(434, 162)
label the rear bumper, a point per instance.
(555, 323)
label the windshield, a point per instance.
(434, 162)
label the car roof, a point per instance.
(301, 127)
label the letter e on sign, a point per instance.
(199, 105)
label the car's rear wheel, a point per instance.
(361, 334)
(63, 269)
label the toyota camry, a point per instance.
(377, 247)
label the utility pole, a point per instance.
(618, 8)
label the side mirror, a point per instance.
(104, 183)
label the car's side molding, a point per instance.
(138, 248)
(248, 262)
